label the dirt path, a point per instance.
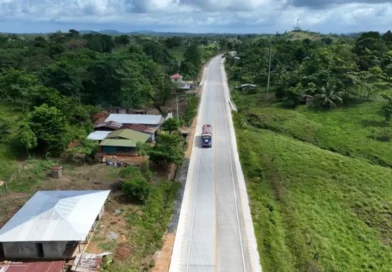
(164, 256)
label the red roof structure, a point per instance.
(176, 76)
(56, 266)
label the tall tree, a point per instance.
(167, 149)
(327, 97)
(27, 137)
(65, 78)
(16, 84)
(50, 128)
(193, 55)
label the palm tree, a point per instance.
(328, 97)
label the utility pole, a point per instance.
(269, 70)
(178, 120)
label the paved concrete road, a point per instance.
(215, 230)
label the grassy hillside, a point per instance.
(313, 209)
(358, 131)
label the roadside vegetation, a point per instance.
(51, 88)
(316, 150)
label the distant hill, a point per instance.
(154, 33)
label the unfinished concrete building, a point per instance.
(53, 224)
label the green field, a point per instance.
(358, 131)
(178, 52)
(320, 194)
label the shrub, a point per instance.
(130, 172)
(137, 189)
(170, 125)
(382, 135)
(5, 127)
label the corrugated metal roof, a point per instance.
(56, 266)
(125, 138)
(110, 124)
(142, 128)
(118, 142)
(129, 134)
(98, 135)
(143, 119)
(55, 216)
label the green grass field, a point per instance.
(359, 131)
(314, 209)
(178, 52)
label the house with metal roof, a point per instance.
(123, 141)
(107, 126)
(150, 130)
(53, 224)
(176, 79)
(98, 135)
(139, 119)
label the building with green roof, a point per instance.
(123, 141)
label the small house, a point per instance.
(246, 87)
(53, 225)
(138, 119)
(123, 141)
(306, 99)
(107, 126)
(151, 131)
(176, 79)
(98, 135)
(186, 86)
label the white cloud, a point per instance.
(263, 15)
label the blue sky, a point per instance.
(223, 16)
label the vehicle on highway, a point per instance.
(206, 136)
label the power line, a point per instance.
(269, 70)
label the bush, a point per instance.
(133, 172)
(130, 172)
(170, 125)
(137, 189)
(5, 127)
(382, 135)
(191, 111)
(146, 172)
(167, 149)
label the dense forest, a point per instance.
(316, 148)
(332, 71)
(57, 81)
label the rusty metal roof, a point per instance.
(109, 124)
(56, 266)
(141, 128)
